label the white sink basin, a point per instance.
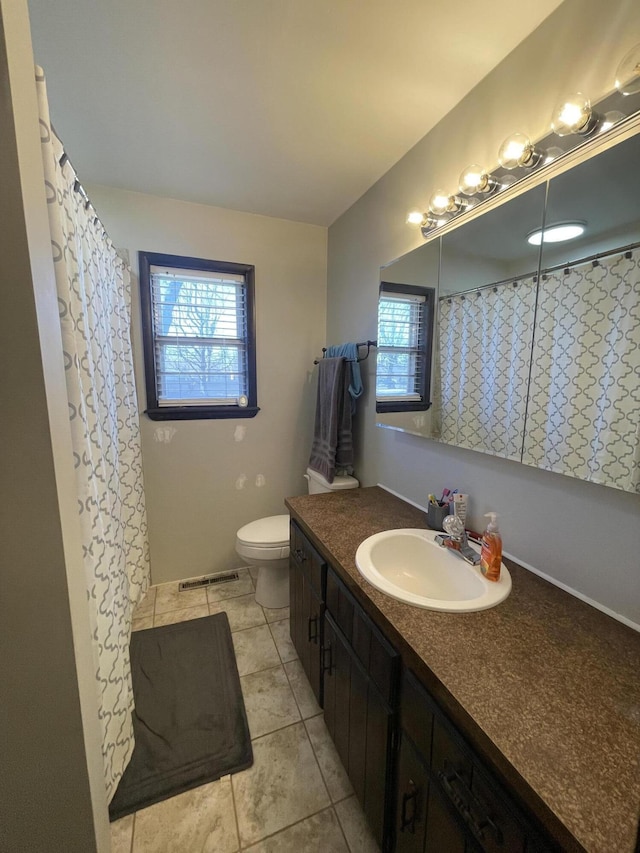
(408, 565)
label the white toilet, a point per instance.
(265, 543)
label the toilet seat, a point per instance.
(266, 538)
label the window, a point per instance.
(199, 338)
(405, 332)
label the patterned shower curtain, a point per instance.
(94, 303)
(484, 350)
(584, 397)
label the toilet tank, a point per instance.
(317, 483)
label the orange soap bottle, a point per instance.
(491, 554)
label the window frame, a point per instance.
(425, 350)
(154, 410)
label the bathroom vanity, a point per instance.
(514, 729)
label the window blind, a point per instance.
(200, 336)
(401, 347)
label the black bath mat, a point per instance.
(189, 722)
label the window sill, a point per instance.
(399, 406)
(194, 413)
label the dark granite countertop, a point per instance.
(546, 687)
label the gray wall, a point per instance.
(585, 536)
(51, 771)
(214, 476)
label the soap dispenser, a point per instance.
(491, 555)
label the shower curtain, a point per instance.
(94, 304)
(584, 396)
(485, 348)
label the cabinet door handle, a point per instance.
(300, 555)
(410, 796)
(312, 631)
(326, 667)
(468, 805)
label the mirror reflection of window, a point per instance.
(403, 365)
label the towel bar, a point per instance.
(367, 344)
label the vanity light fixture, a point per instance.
(426, 221)
(628, 73)
(417, 218)
(476, 179)
(430, 223)
(574, 114)
(558, 232)
(442, 202)
(609, 119)
(519, 150)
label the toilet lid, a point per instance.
(273, 530)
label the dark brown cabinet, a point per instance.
(445, 798)
(307, 572)
(360, 670)
(422, 787)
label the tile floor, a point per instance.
(296, 798)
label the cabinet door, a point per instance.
(306, 612)
(296, 618)
(313, 610)
(360, 725)
(411, 799)
(444, 832)
(336, 664)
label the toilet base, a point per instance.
(272, 589)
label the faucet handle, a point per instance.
(454, 526)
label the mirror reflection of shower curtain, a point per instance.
(485, 348)
(584, 398)
(94, 302)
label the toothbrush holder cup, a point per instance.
(436, 514)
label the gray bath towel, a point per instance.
(332, 446)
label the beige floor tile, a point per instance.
(142, 622)
(181, 615)
(169, 597)
(354, 825)
(282, 639)
(243, 612)
(276, 614)
(302, 689)
(333, 772)
(231, 589)
(283, 786)
(255, 650)
(145, 607)
(122, 834)
(269, 701)
(199, 820)
(320, 833)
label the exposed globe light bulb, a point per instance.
(439, 202)
(442, 202)
(416, 218)
(628, 73)
(518, 150)
(574, 115)
(476, 179)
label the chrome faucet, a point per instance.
(457, 540)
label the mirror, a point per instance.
(508, 309)
(583, 406)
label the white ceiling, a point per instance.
(288, 108)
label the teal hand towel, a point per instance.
(350, 352)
